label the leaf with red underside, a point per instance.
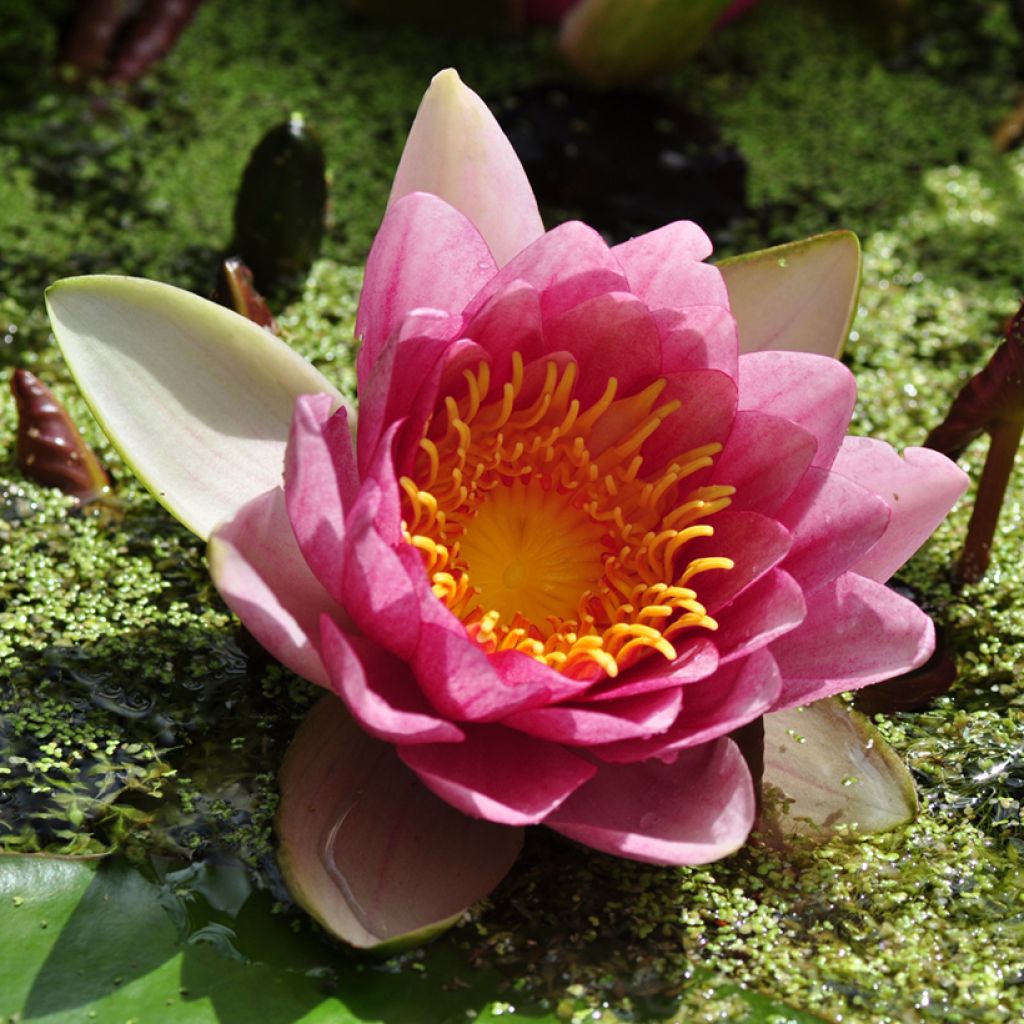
(236, 290)
(49, 448)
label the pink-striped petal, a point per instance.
(258, 569)
(320, 478)
(697, 809)
(713, 707)
(498, 774)
(457, 151)
(766, 611)
(697, 338)
(856, 632)
(920, 487)
(816, 392)
(610, 335)
(583, 725)
(833, 522)
(426, 254)
(380, 690)
(665, 267)
(764, 458)
(568, 265)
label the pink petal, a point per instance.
(817, 392)
(697, 659)
(713, 707)
(582, 725)
(568, 265)
(665, 270)
(425, 254)
(457, 151)
(766, 611)
(697, 809)
(498, 774)
(258, 569)
(920, 488)
(319, 479)
(697, 338)
(856, 632)
(379, 593)
(754, 542)
(833, 522)
(707, 407)
(366, 849)
(610, 335)
(404, 379)
(509, 322)
(380, 690)
(764, 458)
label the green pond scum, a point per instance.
(136, 716)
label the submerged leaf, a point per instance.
(367, 849)
(833, 768)
(798, 297)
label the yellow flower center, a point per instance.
(539, 531)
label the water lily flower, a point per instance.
(597, 511)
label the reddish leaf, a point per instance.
(235, 289)
(50, 450)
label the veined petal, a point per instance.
(426, 255)
(457, 151)
(256, 565)
(920, 487)
(834, 768)
(799, 297)
(367, 849)
(197, 399)
(697, 809)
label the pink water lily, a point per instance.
(588, 523)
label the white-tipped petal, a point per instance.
(799, 297)
(197, 399)
(457, 151)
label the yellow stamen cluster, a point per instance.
(539, 530)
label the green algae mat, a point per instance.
(141, 730)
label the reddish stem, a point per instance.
(1002, 451)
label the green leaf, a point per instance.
(104, 943)
(197, 399)
(798, 297)
(372, 854)
(835, 768)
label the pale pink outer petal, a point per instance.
(764, 458)
(713, 707)
(258, 569)
(498, 774)
(665, 267)
(695, 810)
(366, 849)
(380, 690)
(457, 151)
(920, 488)
(815, 391)
(320, 478)
(582, 725)
(833, 521)
(856, 632)
(426, 254)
